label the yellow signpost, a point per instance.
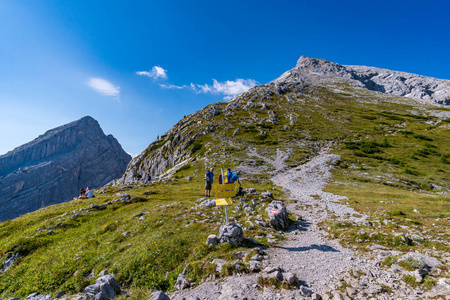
(225, 190)
(224, 201)
(224, 177)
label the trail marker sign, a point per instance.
(225, 177)
(225, 190)
(224, 201)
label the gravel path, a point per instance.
(309, 254)
(319, 263)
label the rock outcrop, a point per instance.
(314, 71)
(52, 168)
(278, 215)
(231, 233)
(105, 287)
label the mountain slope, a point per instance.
(53, 167)
(295, 100)
(364, 170)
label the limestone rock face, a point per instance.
(52, 168)
(316, 71)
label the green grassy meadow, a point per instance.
(395, 158)
(144, 254)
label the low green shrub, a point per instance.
(411, 264)
(196, 146)
(185, 167)
(396, 213)
(389, 261)
(422, 137)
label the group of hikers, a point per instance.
(230, 177)
(140, 178)
(85, 194)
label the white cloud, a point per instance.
(228, 88)
(173, 86)
(233, 88)
(103, 86)
(156, 72)
(203, 88)
(132, 155)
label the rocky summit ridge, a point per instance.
(320, 71)
(52, 168)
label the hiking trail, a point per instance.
(308, 251)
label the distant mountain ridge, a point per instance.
(318, 71)
(54, 166)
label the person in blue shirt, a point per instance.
(208, 182)
(235, 178)
(89, 193)
(229, 176)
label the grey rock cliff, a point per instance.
(316, 71)
(52, 168)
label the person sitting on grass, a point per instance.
(89, 193)
(208, 182)
(82, 195)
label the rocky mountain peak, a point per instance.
(54, 166)
(68, 136)
(319, 66)
(315, 71)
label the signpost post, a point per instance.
(224, 202)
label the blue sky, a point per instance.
(139, 66)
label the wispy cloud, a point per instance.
(156, 72)
(228, 88)
(173, 86)
(103, 87)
